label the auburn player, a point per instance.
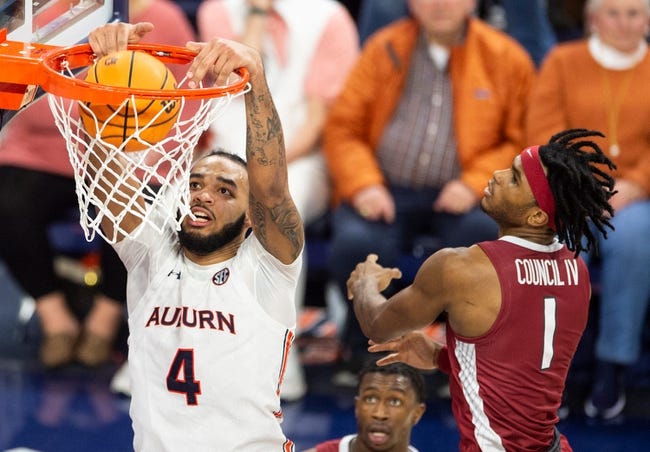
(211, 307)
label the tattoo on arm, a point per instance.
(258, 218)
(285, 218)
(272, 210)
(260, 135)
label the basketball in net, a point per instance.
(130, 103)
(137, 123)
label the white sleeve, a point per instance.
(143, 256)
(275, 282)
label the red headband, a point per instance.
(538, 182)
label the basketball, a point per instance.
(152, 117)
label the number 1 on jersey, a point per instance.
(549, 331)
(180, 377)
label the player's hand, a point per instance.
(415, 349)
(114, 37)
(218, 58)
(370, 269)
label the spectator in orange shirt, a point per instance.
(601, 83)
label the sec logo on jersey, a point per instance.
(221, 277)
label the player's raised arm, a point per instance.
(274, 217)
(104, 40)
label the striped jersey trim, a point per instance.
(486, 437)
(286, 349)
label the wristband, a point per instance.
(257, 11)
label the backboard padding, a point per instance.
(54, 22)
(58, 22)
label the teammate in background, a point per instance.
(388, 404)
(36, 190)
(516, 307)
(216, 386)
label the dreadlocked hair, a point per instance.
(581, 190)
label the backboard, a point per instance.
(54, 22)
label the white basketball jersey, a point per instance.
(207, 346)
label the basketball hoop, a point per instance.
(61, 64)
(161, 170)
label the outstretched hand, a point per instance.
(415, 349)
(371, 269)
(114, 37)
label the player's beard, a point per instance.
(206, 244)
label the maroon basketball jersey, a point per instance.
(329, 446)
(507, 384)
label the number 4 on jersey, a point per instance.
(180, 377)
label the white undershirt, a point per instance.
(611, 58)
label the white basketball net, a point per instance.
(160, 168)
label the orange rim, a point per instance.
(60, 62)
